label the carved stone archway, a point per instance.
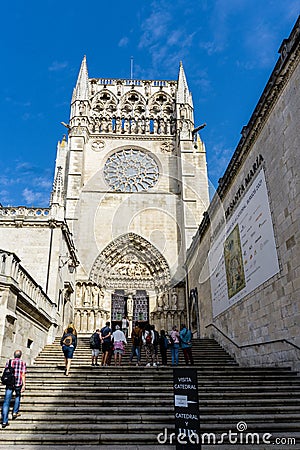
(131, 262)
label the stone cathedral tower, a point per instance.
(131, 180)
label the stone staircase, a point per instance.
(128, 406)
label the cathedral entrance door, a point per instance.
(140, 309)
(134, 306)
(118, 308)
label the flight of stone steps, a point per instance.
(128, 406)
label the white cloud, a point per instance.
(165, 38)
(220, 156)
(43, 183)
(24, 167)
(212, 47)
(24, 104)
(4, 197)
(154, 27)
(57, 66)
(31, 197)
(123, 42)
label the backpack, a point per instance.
(92, 341)
(8, 377)
(156, 337)
(149, 338)
(171, 340)
(68, 340)
(136, 338)
(163, 342)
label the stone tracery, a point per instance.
(131, 262)
(130, 171)
(131, 113)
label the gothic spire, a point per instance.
(81, 90)
(183, 93)
(57, 194)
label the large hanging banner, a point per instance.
(244, 254)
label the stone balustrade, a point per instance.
(22, 211)
(29, 291)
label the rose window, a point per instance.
(130, 171)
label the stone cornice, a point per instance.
(83, 131)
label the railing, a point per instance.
(10, 268)
(276, 352)
(22, 211)
(253, 344)
(126, 81)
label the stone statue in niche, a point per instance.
(78, 294)
(130, 305)
(160, 302)
(174, 299)
(95, 296)
(166, 301)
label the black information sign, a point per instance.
(187, 420)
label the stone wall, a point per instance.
(263, 326)
(29, 319)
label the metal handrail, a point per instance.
(254, 344)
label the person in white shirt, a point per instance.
(125, 325)
(119, 341)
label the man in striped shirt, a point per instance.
(20, 373)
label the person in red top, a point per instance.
(19, 387)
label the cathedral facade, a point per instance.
(133, 174)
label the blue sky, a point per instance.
(228, 49)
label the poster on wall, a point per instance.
(244, 255)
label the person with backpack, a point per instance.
(163, 347)
(148, 339)
(107, 345)
(14, 380)
(136, 337)
(186, 344)
(95, 345)
(71, 325)
(68, 344)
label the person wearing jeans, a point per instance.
(18, 388)
(175, 345)
(136, 336)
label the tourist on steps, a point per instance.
(95, 345)
(186, 344)
(174, 337)
(68, 344)
(105, 333)
(148, 339)
(125, 326)
(163, 347)
(119, 340)
(136, 337)
(18, 386)
(71, 325)
(155, 343)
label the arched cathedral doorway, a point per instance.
(129, 277)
